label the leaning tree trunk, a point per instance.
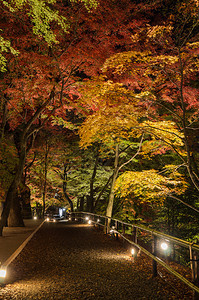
(23, 133)
(109, 209)
(90, 198)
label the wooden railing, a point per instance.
(118, 228)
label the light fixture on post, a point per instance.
(89, 222)
(112, 231)
(2, 274)
(166, 251)
(164, 246)
(133, 252)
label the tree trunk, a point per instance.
(90, 198)
(64, 189)
(10, 199)
(45, 177)
(101, 192)
(6, 208)
(81, 207)
(25, 202)
(11, 194)
(15, 217)
(21, 136)
(109, 209)
(4, 116)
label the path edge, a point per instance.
(20, 248)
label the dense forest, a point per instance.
(99, 110)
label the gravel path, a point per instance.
(76, 261)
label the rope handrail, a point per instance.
(152, 231)
(152, 255)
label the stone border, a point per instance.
(20, 248)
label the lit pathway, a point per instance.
(75, 261)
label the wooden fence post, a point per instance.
(116, 227)
(123, 232)
(154, 251)
(106, 225)
(194, 270)
(191, 263)
(196, 267)
(135, 234)
(123, 229)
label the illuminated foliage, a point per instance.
(148, 187)
(42, 15)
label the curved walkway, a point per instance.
(76, 261)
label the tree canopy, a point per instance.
(99, 105)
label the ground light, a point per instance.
(89, 222)
(98, 220)
(47, 219)
(35, 217)
(87, 218)
(133, 251)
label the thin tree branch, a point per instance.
(188, 205)
(138, 151)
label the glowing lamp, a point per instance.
(54, 220)
(164, 246)
(47, 219)
(133, 251)
(35, 217)
(2, 273)
(89, 222)
(87, 218)
(98, 220)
